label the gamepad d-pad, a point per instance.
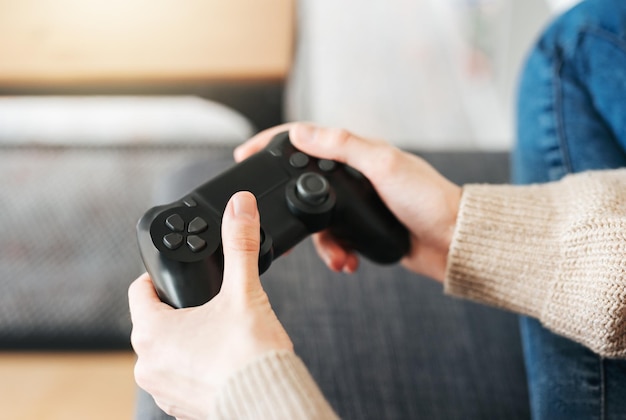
(297, 195)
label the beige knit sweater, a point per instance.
(556, 252)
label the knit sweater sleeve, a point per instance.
(556, 252)
(277, 386)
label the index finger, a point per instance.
(143, 299)
(259, 141)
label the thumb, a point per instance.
(240, 241)
(339, 145)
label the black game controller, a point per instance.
(297, 195)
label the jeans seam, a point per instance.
(605, 35)
(617, 42)
(558, 117)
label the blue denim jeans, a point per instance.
(572, 118)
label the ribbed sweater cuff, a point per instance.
(552, 251)
(499, 253)
(275, 386)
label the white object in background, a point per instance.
(558, 6)
(119, 120)
(392, 70)
(410, 71)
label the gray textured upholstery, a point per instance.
(68, 244)
(75, 176)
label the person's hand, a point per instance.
(184, 355)
(419, 196)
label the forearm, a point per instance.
(555, 252)
(274, 386)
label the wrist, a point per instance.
(430, 247)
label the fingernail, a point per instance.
(239, 153)
(244, 205)
(236, 152)
(305, 132)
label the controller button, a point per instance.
(196, 243)
(312, 188)
(173, 240)
(197, 225)
(175, 223)
(190, 202)
(326, 165)
(354, 173)
(299, 160)
(276, 152)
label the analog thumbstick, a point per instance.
(312, 188)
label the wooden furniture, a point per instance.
(46, 42)
(55, 386)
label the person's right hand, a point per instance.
(185, 356)
(419, 196)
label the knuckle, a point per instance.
(340, 136)
(133, 291)
(245, 239)
(142, 375)
(165, 406)
(137, 340)
(245, 244)
(388, 159)
(141, 337)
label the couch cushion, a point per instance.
(68, 249)
(118, 120)
(70, 202)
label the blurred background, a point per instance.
(98, 100)
(422, 73)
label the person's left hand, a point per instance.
(184, 355)
(421, 198)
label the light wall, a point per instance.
(424, 74)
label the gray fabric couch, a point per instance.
(382, 344)
(70, 201)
